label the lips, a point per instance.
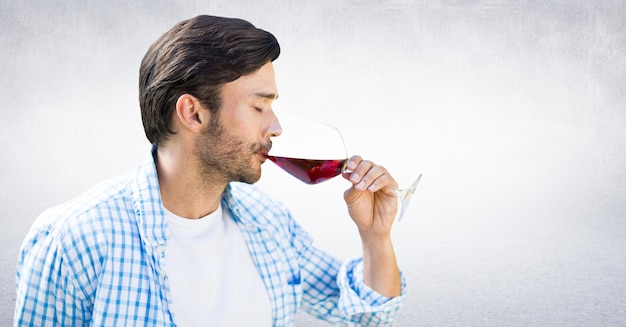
(263, 151)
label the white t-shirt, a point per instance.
(212, 277)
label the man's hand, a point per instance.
(371, 203)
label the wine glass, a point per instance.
(315, 152)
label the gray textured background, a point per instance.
(515, 111)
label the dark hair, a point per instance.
(197, 56)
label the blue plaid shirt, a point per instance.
(98, 260)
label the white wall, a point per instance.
(514, 111)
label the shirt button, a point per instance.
(160, 248)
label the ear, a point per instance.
(191, 114)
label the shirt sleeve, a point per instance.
(357, 298)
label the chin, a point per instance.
(250, 178)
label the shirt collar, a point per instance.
(146, 197)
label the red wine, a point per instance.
(310, 171)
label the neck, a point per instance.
(186, 190)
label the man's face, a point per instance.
(236, 142)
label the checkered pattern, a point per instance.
(98, 260)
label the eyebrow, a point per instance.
(271, 96)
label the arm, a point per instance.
(380, 269)
(373, 206)
(334, 291)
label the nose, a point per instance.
(275, 129)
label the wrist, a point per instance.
(372, 238)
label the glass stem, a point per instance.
(405, 195)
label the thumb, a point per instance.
(351, 195)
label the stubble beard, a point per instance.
(224, 157)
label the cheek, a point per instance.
(244, 125)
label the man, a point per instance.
(186, 240)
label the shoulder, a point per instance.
(104, 194)
(87, 214)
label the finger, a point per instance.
(352, 163)
(382, 182)
(357, 174)
(375, 178)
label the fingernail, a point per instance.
(360, 186)
(355, 177)
(351, 165)
(372, 187)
